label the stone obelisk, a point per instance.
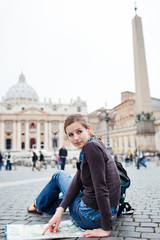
(143, 104)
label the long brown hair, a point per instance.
(77, 118)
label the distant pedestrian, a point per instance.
(115, 158)
(131, 159)
(140, 158)
(42, 161)
(34, 159)
(58, 161)
(11, 163)
(127, 160)
(1, 161)
(8, 161)
(63, 154)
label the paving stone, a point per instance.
(151, 235)
(129, 234)
(156, 220)
(143, 229)
(126, 220)
(148, 224)
(136, 224)
(157, 230)
(112, 238)
(144, 220)
(125, 228)
(142, 216)
(135, 238)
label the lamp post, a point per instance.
(105, 117)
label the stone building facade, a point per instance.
(122, 125)
(26, 123)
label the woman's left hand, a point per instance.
(96, 233)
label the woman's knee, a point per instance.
(60, 174)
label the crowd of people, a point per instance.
(138, 158)
(37, 162)
(7, 161)
(60, 159)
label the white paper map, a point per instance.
(67, 229)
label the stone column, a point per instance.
(19, 136)
(126, 143)
(2, 147)
(46, 135)
(38, 135)
(50, 136)
(132, 143)
(120, 143)
(61, 133)
(14, 135)
(27, 136)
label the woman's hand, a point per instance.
(54, 221)
(96, 233)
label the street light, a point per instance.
(105, 116)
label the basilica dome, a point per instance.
(21, 91)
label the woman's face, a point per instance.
(77, 134)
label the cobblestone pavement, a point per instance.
(20, 187)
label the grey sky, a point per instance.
(70, 48)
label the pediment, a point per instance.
(32, 111)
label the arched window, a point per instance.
(8, 144)
(78, 109)
(23, 126)
(8, 126)
(54, 126)
(42, 126)
(32, 125)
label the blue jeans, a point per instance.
(1, 164)
(142, 162)
(63, 162)
(82, 215)
(58, 165)
(8, 166)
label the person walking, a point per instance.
(131, 159)
(1, 161)
(115, 158)
(11, 163)
(63, 154)
(34, 160)
(140, 158)
(92, 195)
(41, 159)
(8, 161)
(127, 160)
(58, 162)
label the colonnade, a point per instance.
(15, 134)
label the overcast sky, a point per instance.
(70, 48)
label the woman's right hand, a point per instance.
(54, 221)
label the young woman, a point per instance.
(93, 194)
